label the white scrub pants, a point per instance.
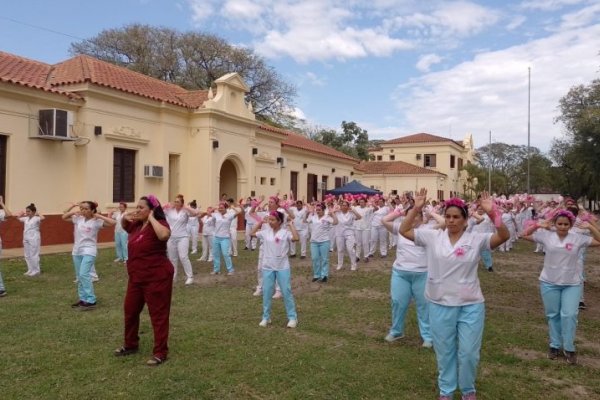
(378, 234)
(362, 242)
(346, 243)
(177, 250)
(303, 239)
(234, 243)
(193, 232)
(207, 248)
(31, 248)
(249, 241)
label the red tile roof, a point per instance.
(420, 138)
(394, 168)
(81, 69)
(29, 73)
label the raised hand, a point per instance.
(486, 202)
(420, 198)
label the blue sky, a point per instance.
(395, 67)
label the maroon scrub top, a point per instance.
(147, 255)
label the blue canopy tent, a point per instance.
(354, 187)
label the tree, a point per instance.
(353, 140)
(192, 60)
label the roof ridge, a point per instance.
(24, 58)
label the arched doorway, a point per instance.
(228, 180)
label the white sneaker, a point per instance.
(117, 260)
(194, 252)
(231, 273)
(353, 268)
(339, 267)
(292, 323)
(391, 338)
(95, 279)
(76, 280)
(427, 344)
(189, 281)
(34, 274)
(27, 273)
(257, 292)
(277, 295)
(264, 323)
(214, 272)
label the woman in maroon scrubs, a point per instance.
(150, 277)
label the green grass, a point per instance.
(217, 350)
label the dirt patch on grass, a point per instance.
(369, 294)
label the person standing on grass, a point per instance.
(120, 234)
(321, 225)
(178, 245)
(480, 223)
(344, 234)
(298, 211)
(4, 212)
(87, 221)
(150, 278)
(222, 237)
(378, 231)
(233, 250)
(31, 220)
(456, 303)
(362, 229)
(409, 275)
(193, 227)
(276, 265)
(208, 231)
(561, 278)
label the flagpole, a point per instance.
(528, 130)
(490, 165)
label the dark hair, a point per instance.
(158, 211)
(93, 205)
(278, 215)
(31, 208)
(574, 210)
(230, 200)
(193, 204)
(180, 196)
(122, 203)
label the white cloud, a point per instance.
(426, 61)
(201, 10)
(516, 22)
(583, 17)
(490, 92)
(241, 9)
(314, 79)
(549, 5)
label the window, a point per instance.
(392, 158)
(123, 175)
(440, 195)
(429, 160)
(379, 158)
(460, 163)
(263, 180)
(3, 140)
(294, 183)
(394, 191)
(272, 181)
(452, 161)
(338, 182)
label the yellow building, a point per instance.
(84, 129)
(421, 160)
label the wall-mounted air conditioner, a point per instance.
(418, 156)
(55, 124)
(153, 171)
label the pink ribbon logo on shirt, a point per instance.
(569, 246)
(277, 240)
(459, 252)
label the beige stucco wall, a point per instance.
(405, 183)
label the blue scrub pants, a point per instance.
(221, 246)
(121, 245)
(561, 306)
(486, 257)
(406, 285)
(457, 332)
(85, 287)
(319, 252)
(284, 280)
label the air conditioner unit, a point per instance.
(282, 161)
(418, 156)
(153, 171)
(54, 124)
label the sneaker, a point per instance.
(571, 357)
(391, 338)
(75, 305)
(264, 323)
(315, 279)
(95, 279)
(469, 396)
(2, 293)
(86, 306)
(194, 252)
(302, 257)
(124, 351)
(189, 281)
(292, 256)
(357, 259)
(366, 259)
(34, 274)
(553, 353)
(76, 280)
(214, 272)
(490, 269)
(155, 361)
(277, 295)
(427, 344)
(582, 305)
(117, 260)
(292, 323)
(231, 273)
(257, 292)
(339, 267)
(323, 279)
(353, 268)
(27, 273)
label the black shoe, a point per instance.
(293, 256)
(245, 248)
(315, 279)
(302, 257)
(124, 351)
(357, 259)
(75, 305)
(323, 279)
(2, 293)
(366, 259)
(86, 306)
(553, 353)
(571, 357)
(490, 269)
(582, 305)
(252, 249)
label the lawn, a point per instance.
(217, 350)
